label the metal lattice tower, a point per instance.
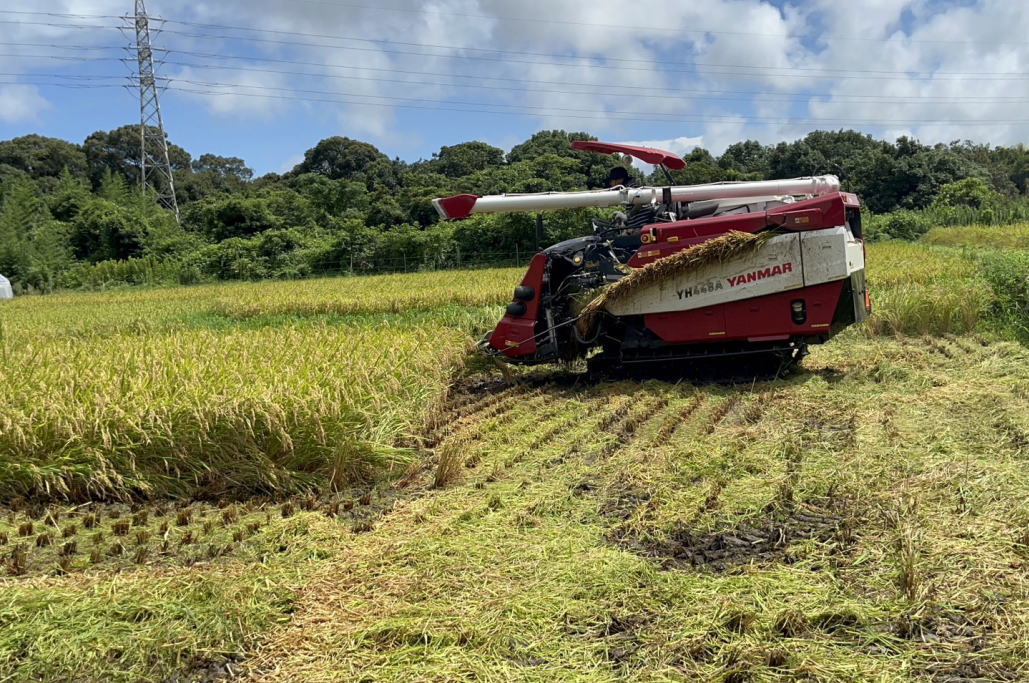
(154, 164)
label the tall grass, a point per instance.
(911, 225)
(148, 311)
(143, 393)
(1015, 236)
(924, 290)
(204, 412)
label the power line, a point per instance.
(617, 27)
(664, 95)
(628, 114)
(583, 61)
(52, 24)
(63, 15)
(69, 47)
(836, 73)
(59, 57)
(587, 114)
(563, 56)
(663, 29)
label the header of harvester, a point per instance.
(464, 205)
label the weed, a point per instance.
(902, 519)
(17, 561)
(450, 461)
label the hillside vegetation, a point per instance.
(72, 216)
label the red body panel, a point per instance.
(459, 206)
(515, 335)
(647, 154)
(759, 319)
(664, 239)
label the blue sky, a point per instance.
(265, 80)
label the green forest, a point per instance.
(73, 215)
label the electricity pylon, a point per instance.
(154, 164)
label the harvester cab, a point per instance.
(736, 277)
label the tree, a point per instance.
(21, 212)
(972, 192)
(50, 254)
(225, 167)
(821, 151)
(105, 231)
(222, 219)
(790, 160)
(749, 156)
(113, 188)
(468, 157)
(68, 198)
(118, 150)
(41, 157)
(557, 142)
(331, 197)
(340, 157)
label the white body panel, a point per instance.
(6, 292)
(718, 283)
(825, 255)
(634, 196)
(785, 262)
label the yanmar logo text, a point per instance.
(755, 275)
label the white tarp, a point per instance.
(5, 288)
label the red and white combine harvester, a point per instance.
(720, 278)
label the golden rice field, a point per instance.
(1006, 236)
(308, 481)
(134, 394)
(276, 387)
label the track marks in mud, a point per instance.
(467, 409)
(762, 540)
(627, 425)
(676, 420)
(720, 412)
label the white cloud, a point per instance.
(883, 66)
(21, 103)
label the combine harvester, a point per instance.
(724, 279)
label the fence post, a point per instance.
(405, 260)
(518, 255)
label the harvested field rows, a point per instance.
(797, 528)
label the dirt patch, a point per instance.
(205, 672)
(761, 541)
(969, 669)
(623, 498)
